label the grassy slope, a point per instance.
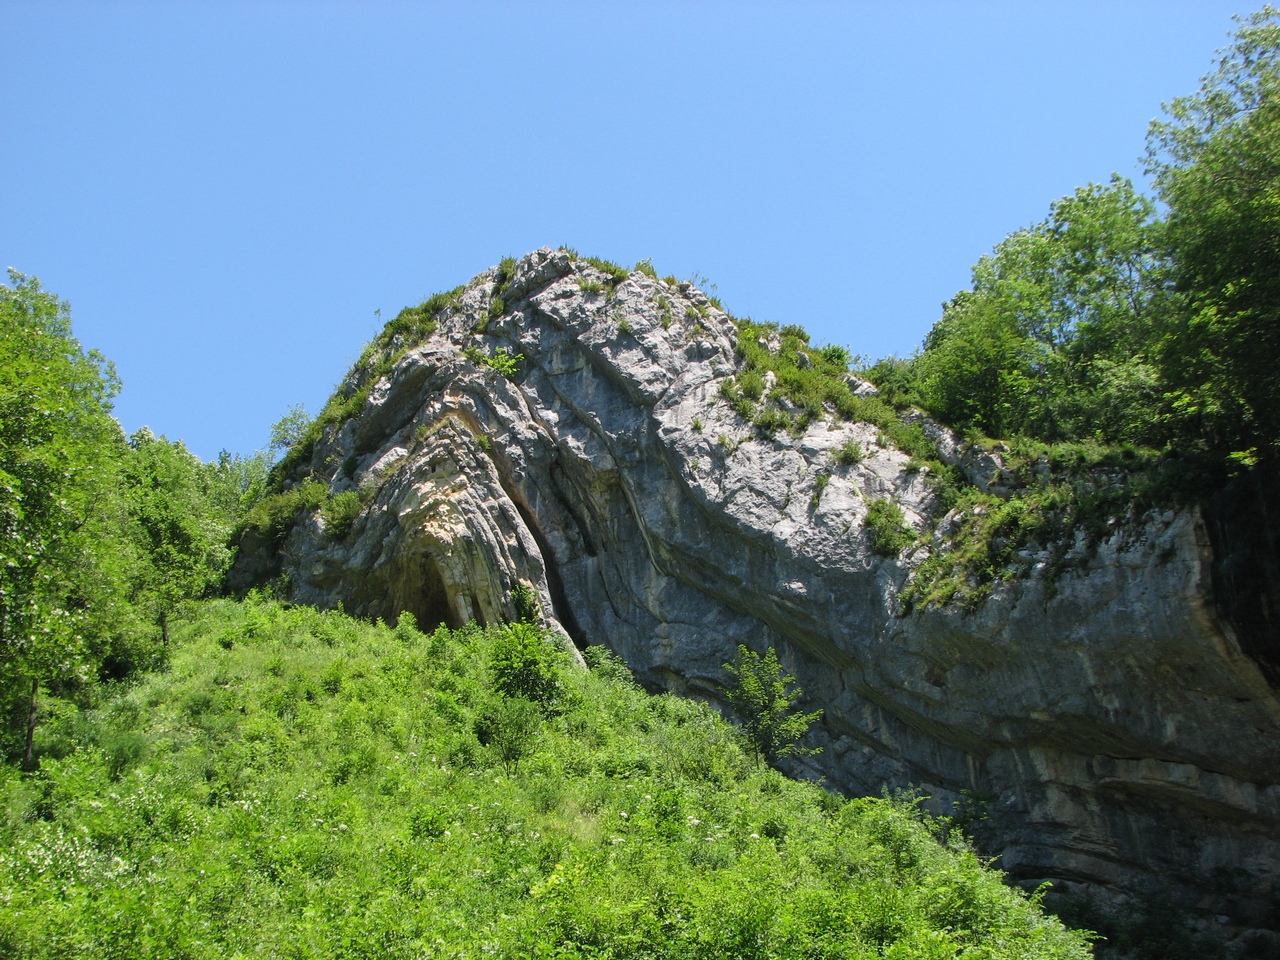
(300, 784)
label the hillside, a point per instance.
(670, 481)
(302, 784)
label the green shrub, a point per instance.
(523, 598)
(274, 514)
(123, 751)
(849, 453)
(506, 270)
(770, 420)
(340, 512)
(751, 384)
(510, 729)
(887, 528)
(525, 663)
(763, 698)
(502, 360)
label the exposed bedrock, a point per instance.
(1119, 729)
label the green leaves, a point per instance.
(58, 452)
(1054, 312)
(1216, 163)
(306, 791)
(178, 525)
(760, 698)
(525, 663)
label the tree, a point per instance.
(1216, 162)
(760, 698)
(57, 447)
(525, 664)
(510, 728)
(180, 527)
(290, 429)
(1055, 338)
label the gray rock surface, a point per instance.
(1110, 729)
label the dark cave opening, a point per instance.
(424, 595)
(1244, 528)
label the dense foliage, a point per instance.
(299, 784)
(1114, 323)
(1054, 340)
(101, 536)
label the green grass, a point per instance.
(1057, 492)
(810, 383)
(300, 784)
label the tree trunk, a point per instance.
(29, 761)
(164, 627)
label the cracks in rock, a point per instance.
(560, 606)
(558, 479)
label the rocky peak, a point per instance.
(566, 425)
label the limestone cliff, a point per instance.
(1116, 727)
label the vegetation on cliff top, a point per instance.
(300, 784)
(1117, 355)
(1113, 323)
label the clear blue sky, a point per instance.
(226, 192)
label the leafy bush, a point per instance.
(525, 663)
(510, 728)
(340, 512)
(502, 360)
(275, 514)
(849, 453)
(528, 610)
(762, 700)
(887, 528)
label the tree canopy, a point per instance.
(1050, 340)
(56, 435)
(100, 537)
(1120, 321)
(1215, 161)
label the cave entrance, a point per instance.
(423, 594)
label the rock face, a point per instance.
(1111, 727)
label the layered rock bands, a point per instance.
(1115, 730)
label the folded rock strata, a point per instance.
(1114, 729)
